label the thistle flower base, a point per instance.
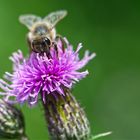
(66, 119)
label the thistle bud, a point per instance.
(66, 119)
(11, 121)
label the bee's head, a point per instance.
(40, 37)
(39, 44)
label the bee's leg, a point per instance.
(48, 52)
(55, 47)
(62, 40)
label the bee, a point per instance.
(42, 33)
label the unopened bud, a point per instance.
(11, 121)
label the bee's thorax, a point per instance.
(43, 29)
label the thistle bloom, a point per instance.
(40, 74)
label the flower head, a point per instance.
(41, 74)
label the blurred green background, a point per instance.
(111, 93)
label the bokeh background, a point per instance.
(110, 94)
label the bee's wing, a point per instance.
(29, 20)
(54, 17)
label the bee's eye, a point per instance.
(47, 41)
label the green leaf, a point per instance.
(100, 135)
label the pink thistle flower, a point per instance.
(40, 74)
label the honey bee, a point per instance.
(42, 34)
